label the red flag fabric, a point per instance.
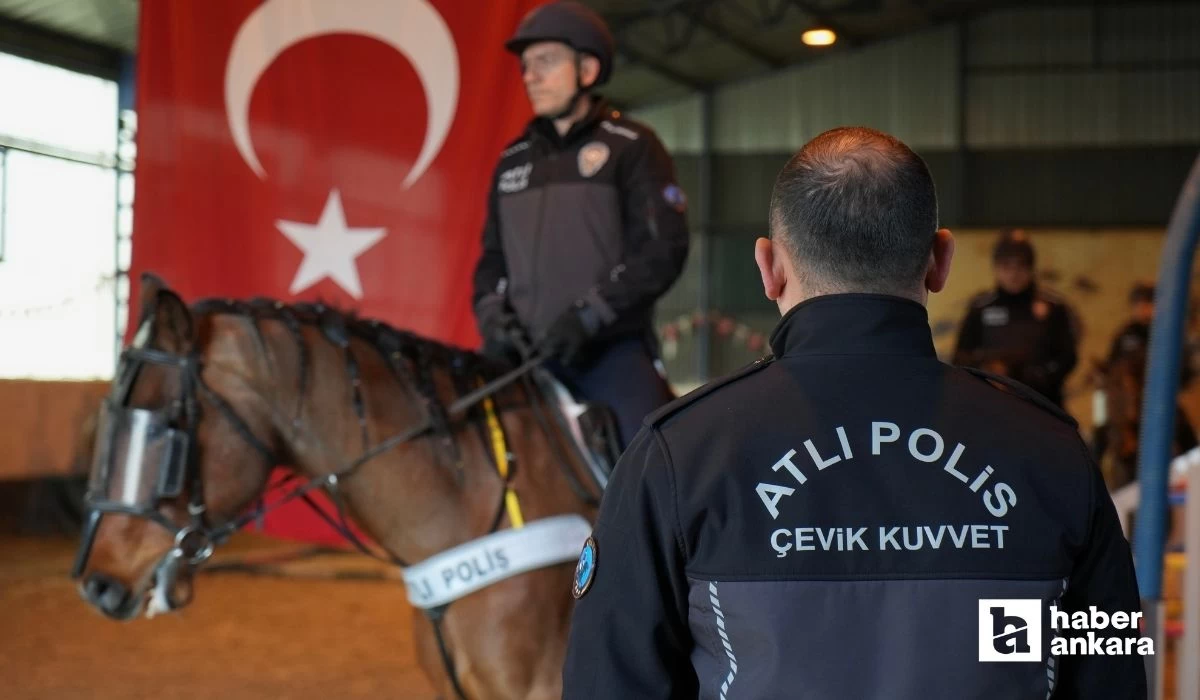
(324, 150)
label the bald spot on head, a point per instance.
(856, 210)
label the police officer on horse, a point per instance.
(586, 225)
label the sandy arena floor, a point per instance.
(306, 635)
(243, 637)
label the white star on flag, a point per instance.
(330, 248)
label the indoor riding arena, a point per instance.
(306, 390)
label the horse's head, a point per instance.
(168, 461)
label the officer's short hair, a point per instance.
(857, 210)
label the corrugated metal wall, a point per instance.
(1057, 116)
(904, 87)
(1039, 37)
(1084, 77)
(1120, 108)
(1033, 78)
(678, 124)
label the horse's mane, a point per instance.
(411, 357)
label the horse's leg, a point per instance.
(515, 634)
(479, 643)
(429, 659)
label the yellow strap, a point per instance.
(511, 502)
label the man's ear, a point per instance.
(768, 267)
(589, 70)
(940, 258)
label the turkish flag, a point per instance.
(333, 150)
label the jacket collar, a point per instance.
(543, 128)
(854, 324)
(1024, 296)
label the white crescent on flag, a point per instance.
(412, 27)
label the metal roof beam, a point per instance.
(662, 8)
(678, 40)
(638, 58)
(746, 47)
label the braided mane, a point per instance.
(411, 357)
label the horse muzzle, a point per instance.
(110, 596)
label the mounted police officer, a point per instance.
(586, 224)
(852, 518)
(1019, 329)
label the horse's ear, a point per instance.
(151, 285)
(164, 320)
(173, 323)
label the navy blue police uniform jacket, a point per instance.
(825, 524)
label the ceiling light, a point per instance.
(818, 37)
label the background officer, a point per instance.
(586, 224)
(1115, 438)
(825, 524)
(1133, 339)
(1019, 330)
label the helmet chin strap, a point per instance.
(580, 92)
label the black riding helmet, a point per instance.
(1014, 244)
(572, 24)
(1142, 291)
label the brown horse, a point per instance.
(227, 390)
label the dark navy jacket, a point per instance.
(593, 216)
(1031, 335)
(824, 525)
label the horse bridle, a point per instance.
(170, 434)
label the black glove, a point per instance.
(508, 340)
(504, 338)
(569, 335)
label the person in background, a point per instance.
(1018, 329)
(1134, 337)
(1126, 366)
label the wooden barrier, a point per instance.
(41, 423)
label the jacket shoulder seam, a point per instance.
(677, 535)
(1023, 392)
(515, 146)
(656, 418)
